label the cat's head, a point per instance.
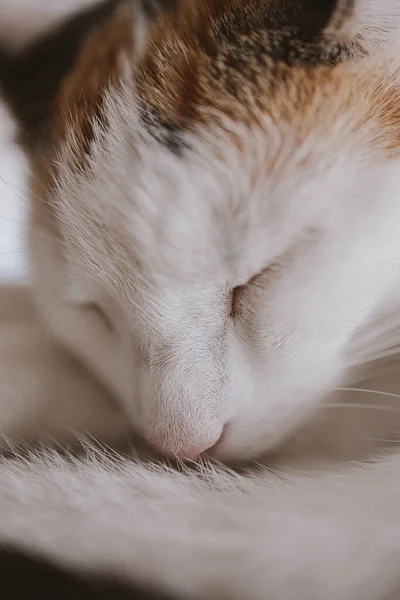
(205, 183)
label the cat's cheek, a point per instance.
(98, 343)
(270, 396)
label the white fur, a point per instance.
(163, 279)
(328, 534)
(218, 536)
(163, 269)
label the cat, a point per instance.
(214, 219)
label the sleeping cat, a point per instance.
(214, 218)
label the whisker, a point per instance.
(383, 441)
(23, 228)
(23, 194)
(15, 191)
(3, 218)
(367, 391)
(384, 408)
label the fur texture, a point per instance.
(164, 239)
(214, 234)
(212, 534)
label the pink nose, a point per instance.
(189, 452)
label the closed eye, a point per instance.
(97, 311)
(236, 300)
(261, 279)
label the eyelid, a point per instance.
(99, 312)
(262, 278)
(236, 296)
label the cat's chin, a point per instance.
(237, 453)
(244, 442)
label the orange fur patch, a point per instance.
(99, 66)
(181, 79)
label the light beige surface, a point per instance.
(45, 395)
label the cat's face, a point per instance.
(211, 242)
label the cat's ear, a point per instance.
(327, 31)
(363, 26)
(60, 77)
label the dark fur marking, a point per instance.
(290, 31)
(24, 576)
(243, 51)
(246, 41)
(166, 133)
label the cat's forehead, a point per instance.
(215, 64)
(211, 195)
(222, 96)
(232, 56)
(222, 71)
